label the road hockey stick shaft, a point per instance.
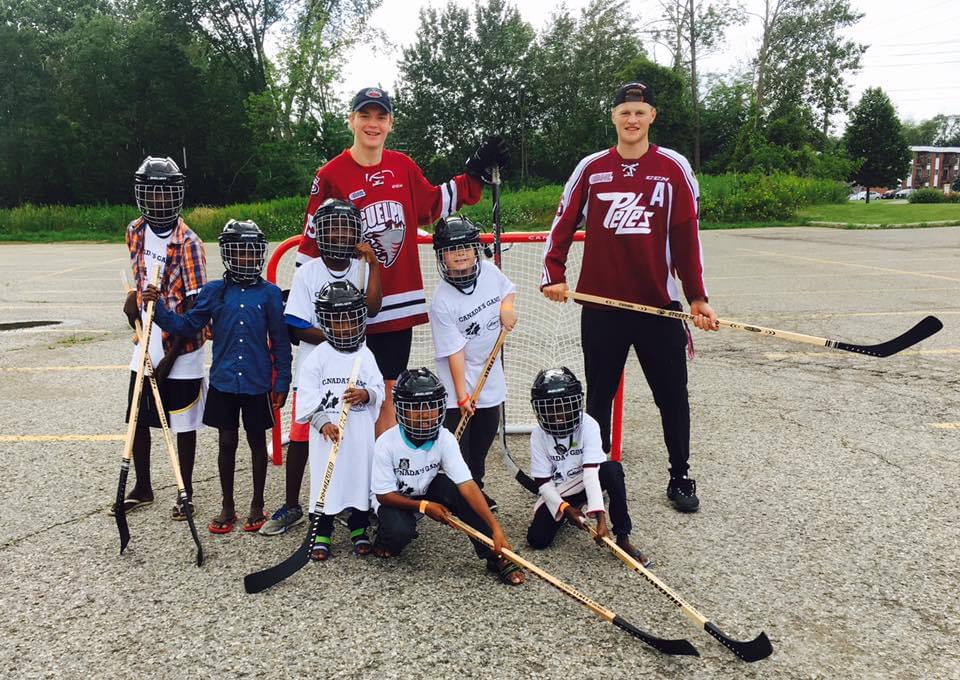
(261, 580)
(119, 511)
(172, 453)
(750, 650)
(921, 331)
(481, 381)
(674, 647)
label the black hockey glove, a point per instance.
(492, 151)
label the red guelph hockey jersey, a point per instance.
(640, 216)
(394, 198)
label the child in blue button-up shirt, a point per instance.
(250, 340)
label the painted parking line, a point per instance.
(62, 437)
(946, 426)
(830, 291)
(92, 265)
(30, 369)
(855, 265)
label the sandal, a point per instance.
(321, 549)
(254, 523)
(178, 515)
(636, 554)
(382, 551)
(129, 505)
(222, 526)
(504, 569)
(361, 542)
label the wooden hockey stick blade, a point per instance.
(674, 647)
(259, 581)
(921, 331)
(749, 650)
(918, 333)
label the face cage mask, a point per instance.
(159, 204)
(462, 279)
(349, 230)
(559, 416)
(419, 428)
(352, 338)
(243, 261)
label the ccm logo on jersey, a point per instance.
(627, 214)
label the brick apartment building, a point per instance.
(935, 167)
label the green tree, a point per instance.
(922, 133)
(673, 127)
(875, 136)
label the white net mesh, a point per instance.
(547, 333)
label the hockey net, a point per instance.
(547, 333)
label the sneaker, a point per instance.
(282, 519)
(492, 504)
(682, 493)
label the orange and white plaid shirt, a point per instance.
(184, 274)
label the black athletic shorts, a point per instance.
(177, 395)
(223, 411)
(392, 351)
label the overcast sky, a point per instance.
(914, 52)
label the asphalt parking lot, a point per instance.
(827, 479)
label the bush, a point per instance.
(927, 196)
(754, 197)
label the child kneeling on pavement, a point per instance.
(407, 461)
(569, 466)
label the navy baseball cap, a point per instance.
(372, 95)
(633, 92)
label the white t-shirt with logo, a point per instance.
(324, 378)
(471, 323)
(562, 459)
(307, 282)
(401, 468)
(187, 366)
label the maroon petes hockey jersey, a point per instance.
(394, 198)
(640, 217)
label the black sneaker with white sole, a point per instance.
(492, 504)
(682, 492)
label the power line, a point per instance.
(920, 54)
(916, 63)
(916, 44)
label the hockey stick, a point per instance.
(748, 650)
(481, 381)
(674, 647)
(923, 330)
(118, 508)
(261, 580)
(172, 452)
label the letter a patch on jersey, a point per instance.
(626, 214)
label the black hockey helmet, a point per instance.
(420, 400)
(342, 315)
(338, 229)
(158, 187)
(455, 234)
(557, 400)
(243, 249)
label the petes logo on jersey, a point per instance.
(627, 214)
(385, 229)
(379, 177)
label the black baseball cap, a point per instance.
(633, 92)
(372, 95)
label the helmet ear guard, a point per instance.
(342, 315)
(420, 402)
(451, 236)
(243, 249)
(557, 401)
(158, 189)
(338, 229)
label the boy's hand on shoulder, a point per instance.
(278, 399)
(356, 395)
(331, 432)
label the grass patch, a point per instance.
(74, 340)
(884, 213)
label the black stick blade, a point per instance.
(259, 581)
(753, 650)
(918, 333)
(185, 504)
(118, 510)
(526, 482)
(673, 647)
